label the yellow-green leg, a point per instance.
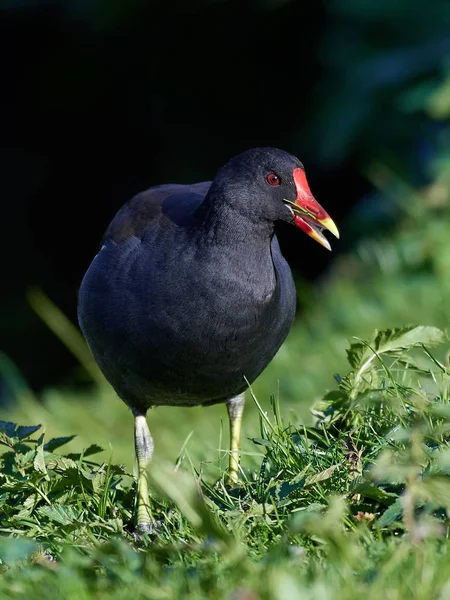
(143, 443)
(235, 409)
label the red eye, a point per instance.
(273, 179)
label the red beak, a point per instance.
(308, 214)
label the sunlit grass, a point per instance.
(356, 503)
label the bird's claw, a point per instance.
(146, 530)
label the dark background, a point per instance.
(103, 99)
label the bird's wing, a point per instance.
(175, 202)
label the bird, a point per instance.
(190, 298)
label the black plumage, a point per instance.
(190, 296)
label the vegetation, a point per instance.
(356, 503)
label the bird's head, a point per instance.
(270, 184)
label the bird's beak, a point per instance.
(308, 214)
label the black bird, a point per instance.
(190, 296)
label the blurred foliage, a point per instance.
(382, 62)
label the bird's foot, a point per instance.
(234, 487)
(232, 481)
(148, 528)
(144, 531)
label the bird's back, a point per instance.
(172, 319)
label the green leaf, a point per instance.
(405, 338)
(370, 490)
(39, 460)
(258, 510)
(92, 449)
(8, 428)
(28, 506)
(391, 514)
(5, 440)
(61, 463)
(12, 430)
(284, 488)
(361, 355)
(65, 515)
(355, 354)
(335, 396)
(58, 442)
(96, 480)
(24, 431)
(261, 442)
(436, 489)
(333, 400)
(413, 364)
(393, 340)
(322, 476)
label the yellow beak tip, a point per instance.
(330, 225)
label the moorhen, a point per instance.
(189, 297)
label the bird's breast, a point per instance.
(190, 322)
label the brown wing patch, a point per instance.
(133, 218)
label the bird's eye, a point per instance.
(273, 179)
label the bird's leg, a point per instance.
(143, 443)
(235, 409)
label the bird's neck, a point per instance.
(223, 224)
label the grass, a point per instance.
(356, 503)
(345, 487)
